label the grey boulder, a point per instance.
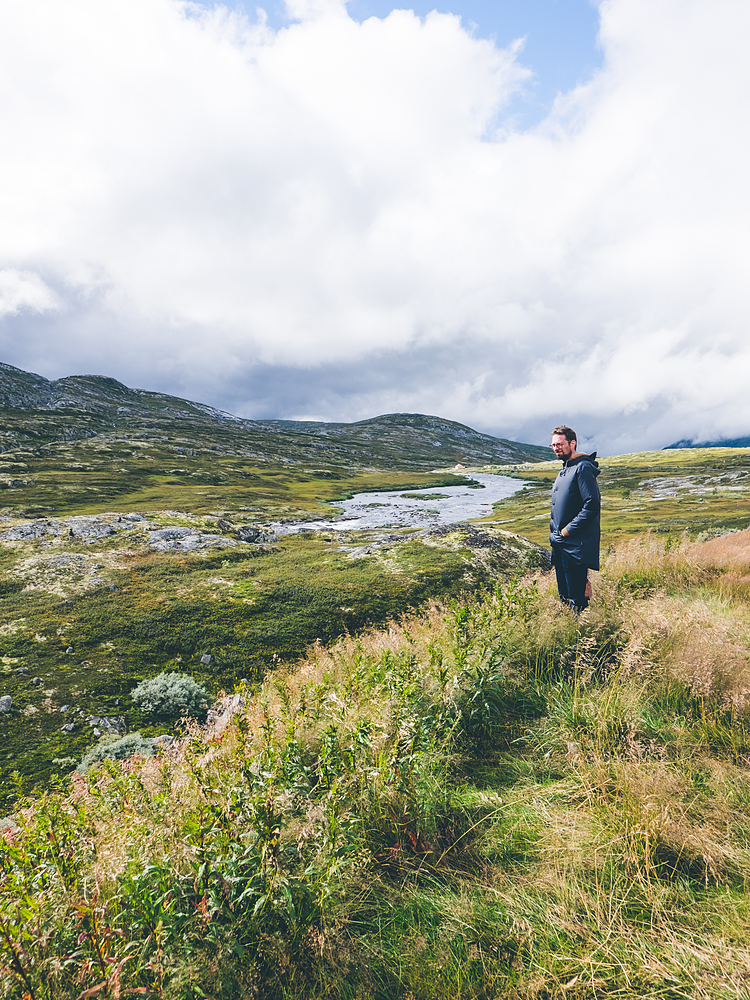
(186, 540)
(247, 533)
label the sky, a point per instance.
(510, 214)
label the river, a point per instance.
(415, 508)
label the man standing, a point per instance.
(575, 519)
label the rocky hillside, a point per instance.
(34, 409)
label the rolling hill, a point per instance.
(82, 406)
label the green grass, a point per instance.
(104, 474)
(248, 608)
(490, 799)
(168, 610)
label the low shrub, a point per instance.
(172, 694)
(109, 748)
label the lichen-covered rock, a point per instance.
(169, 534)
(249, 533)
(30, 529)
(90, 529)
(87, 529)
(178, 539)
(6, 703)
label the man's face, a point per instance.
(562, 447)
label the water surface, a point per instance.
(416, 508)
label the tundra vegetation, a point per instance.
(89, 614)
(486, 798)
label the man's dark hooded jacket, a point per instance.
(576, 505)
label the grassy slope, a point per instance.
(491, 799)
(87, 445)
(249, 610)
(82, 624)
(691, 490)
(197, 469)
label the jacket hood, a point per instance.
(585, 458)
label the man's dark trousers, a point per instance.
(571, 579)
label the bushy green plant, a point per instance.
(172, 694)
(109, 748)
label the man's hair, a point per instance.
(568, 432)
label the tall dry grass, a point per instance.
(488, 798)
(684, 609)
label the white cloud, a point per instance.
(23, 290)
(209, 198)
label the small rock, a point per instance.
(115, 725)
(6, 703)
(64, 708)
(163, 742)
(69, 649)
(36, 680)
(206, 659)
(69, 727)
(234, 703)
(134, 517)
(22, 670)
(97, 731)
(247, 533)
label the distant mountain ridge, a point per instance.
(742, 442)
(82, 406)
